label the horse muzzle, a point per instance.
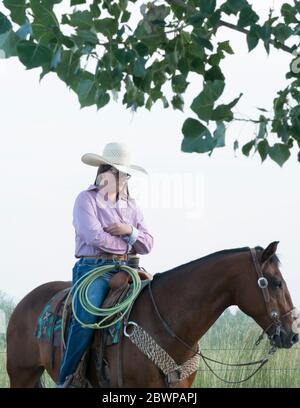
(283, 339)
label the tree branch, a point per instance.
(192, 10)
(244, 31)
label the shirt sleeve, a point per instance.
(140, 239)
(89, 228)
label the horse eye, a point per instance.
(278, 284)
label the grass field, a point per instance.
(231, 340)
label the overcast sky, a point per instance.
(193, 205)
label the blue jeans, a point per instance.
(78, 337)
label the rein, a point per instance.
(274, 315)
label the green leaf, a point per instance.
(183, 66)
(225, 46)
(120, 55)
(139, 68)
(123, 4)
(203, 42)
(102, 99)
(197, 137)
(17, 10)
(105, 79)
(203, 104)
(263, 148)
(88, 37)
(69, 67)
(95, 10)
(24, 30)
(165, 102)
(141, 49)
(125, 16)
(81, 19)
(149, 104)
(65, 19)
(252, 41)
(265, 34)
(262, 127)
(115, 10)
(5, 24)
(282, 32)
(207, 6)
(43, 13)
(8, 44)
(288, 13)
(56, 59)
(219, 135)
(106, 26)
(223, 112)
(67, 41)
(279, 153)
(179, 83)
(213, 74)
(75, 2)
(216, 58)
(33, 55)
(43, 34)
(247, 148)
(86, 91)
(214, 19)
(177, 102)
(253, 37)
(196, 19)
(46, 68)
(233, 6)
(247, 17)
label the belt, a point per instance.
(116, 257)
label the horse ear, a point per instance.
(269, 251)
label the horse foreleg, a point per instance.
(26, 378)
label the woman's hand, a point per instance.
(118, 229)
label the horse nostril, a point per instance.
(295, 338)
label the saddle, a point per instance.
(49, 327)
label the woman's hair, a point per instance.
(102, 169)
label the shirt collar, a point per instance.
(92, 187)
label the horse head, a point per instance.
(264, 295)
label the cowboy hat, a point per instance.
(115, 154)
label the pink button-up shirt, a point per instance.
(92, 213)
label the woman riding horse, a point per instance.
(108, 225)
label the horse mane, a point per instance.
(274, 259)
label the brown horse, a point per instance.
(190, 298)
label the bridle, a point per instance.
(275, 317)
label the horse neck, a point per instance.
(193, 296)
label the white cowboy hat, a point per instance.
(115, 154)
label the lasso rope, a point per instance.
(81, 289)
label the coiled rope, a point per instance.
(80, 289)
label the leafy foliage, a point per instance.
(97, 52)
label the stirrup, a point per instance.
(73, 381)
